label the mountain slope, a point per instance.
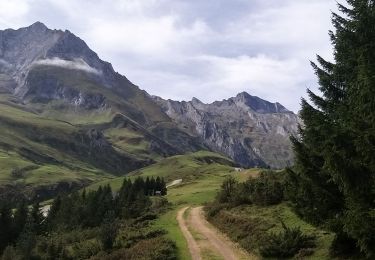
(251, 131)
(68, 112)
(68, 117)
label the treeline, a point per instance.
(101, 208)
(21, 226)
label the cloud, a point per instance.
(77, 64)
(11, 12)
(4, 63)
(210, 49)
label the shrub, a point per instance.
(84, 249)
(159, 248)
(214, 208)
(10, 253)
(228, 190)
(17, 173)
(286, 243)
(265, 190)
(344, 246)
(245, 230)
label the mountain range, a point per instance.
(68, 118)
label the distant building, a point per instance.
(158, 193)
(238, 169)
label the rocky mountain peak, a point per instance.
(259, 105)
(38, 26)
(25, 49)
(248, 129)
(196, 101)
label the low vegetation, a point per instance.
(255, 213)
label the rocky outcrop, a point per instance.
(248, 129)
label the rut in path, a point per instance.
(192, 244)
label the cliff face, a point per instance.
(251, 131)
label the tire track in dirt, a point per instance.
(192, 244)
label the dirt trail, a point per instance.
(217, 243)
(221, 244)
(192, 244)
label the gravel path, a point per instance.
(218, 243)
(192, 244)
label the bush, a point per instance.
(84, 249)
(214, 208)
(265, 190)
(286, 243)
(17, 173)
(245, 230)
(10, 253)
(159, 248)
(228, 190)
(343, 246)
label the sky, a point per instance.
(211, 49)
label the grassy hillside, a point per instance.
(36, 151)
(202, 174)
(192, 168)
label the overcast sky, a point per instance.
(209, 49)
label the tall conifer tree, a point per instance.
(333, 180)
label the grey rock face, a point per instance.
(251, 131)
(25, 49)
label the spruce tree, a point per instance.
(108, 230)
(27, 240)
(333, 179)
(37, 217)
(6, 226)
(20, 217)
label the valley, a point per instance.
(202, 175)
(94, 167)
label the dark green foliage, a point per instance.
(37, 217)
(6, 224)
(228, 190)
(10, 253)
(27, 238)
(247, 231)
(20, 217)
(333, 180)
(286, 243)
(79, 226)
(158, 248)
(108, 230)
(267, 189)
(344, 245)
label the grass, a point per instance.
(202, 174)
(169, 223)
(249, 223)
(44, 144)
(130, 141)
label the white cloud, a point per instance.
(77, 64)
(12, 12)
